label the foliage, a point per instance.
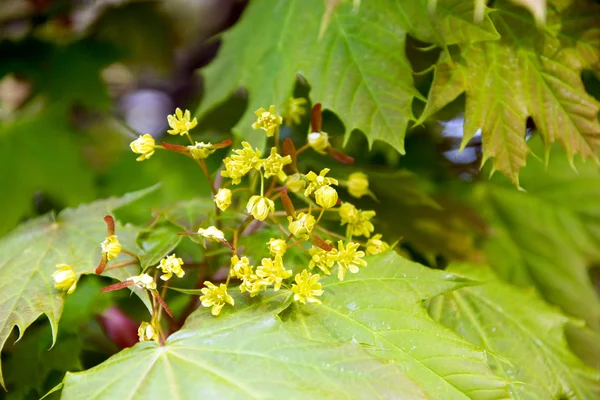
(280, 254)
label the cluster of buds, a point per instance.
(257, 186)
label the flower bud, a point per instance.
(65, 278)
(375, 245)
(146, 332)
(201, 150)
(223, 198)
(326, 196)
(143, 145)
(319, 141)
(296, 183)
(212, 234)
(302, 225)
(111, 247)
(358, 184)
(260, 207)
(277, 247)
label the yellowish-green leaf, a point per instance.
(358, 68)
(382, 308)
(524, 337)
(548, 236)
(29, 254)
(524, 74)
(243, 354)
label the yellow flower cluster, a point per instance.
(181, 123)
(243, 161)
(171, 265)
(357, 221)
(268, 121)
(215, 297)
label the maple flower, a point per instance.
(307, 287)
(111, 247)
(322, 259)
(212, 234)
(201, 150)
(253, 285)
(65, 278)
(143, 281)
(260, 207)
(296, 183)
(240, 267)
(358, 184)
(268, 121)
(242, 162)
(147, 333)
(294, 110)
(375, 245)
(273, 165)
(319, 141)
(302, 226)
(143, 145)
(326, 196)
(181, 123)
(272, 272)
(358, 221)
(349, 258)
(171, 265)
(223, 198)
(316, 182)
(215, 296)
(277, 247)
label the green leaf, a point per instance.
(524, 74)
(245, 354)
(381, 307)
(549, 236)
(29, 254)
(156, 242)
(358, 68)
(524, 336)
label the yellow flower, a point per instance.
(253, 285)
(111, 247)
(242, 162)
(260, 207)
(274, 164)
(296, 183)
(143, 281)
(268, 121)
(240, 267)
(307, 287)
(316, 182)
(272, 272)
(223, 198)
(277, 247)
(294, 110)
(65, 278)
(358, 221)
(146, 332)
(326, 196)
(322, 259)
(201, 150)
(358, 184)
(212, 234)
(171, 265)
(375, 245)
(180, 122)
(349, 259)
(319, 141)
(143, 145)
(302, 226)
(215, 296)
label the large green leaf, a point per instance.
(358, 68)
(549, 236)
(246, 353)
(524, 336)
(381, 307)
(527, 73)
(29, 254)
